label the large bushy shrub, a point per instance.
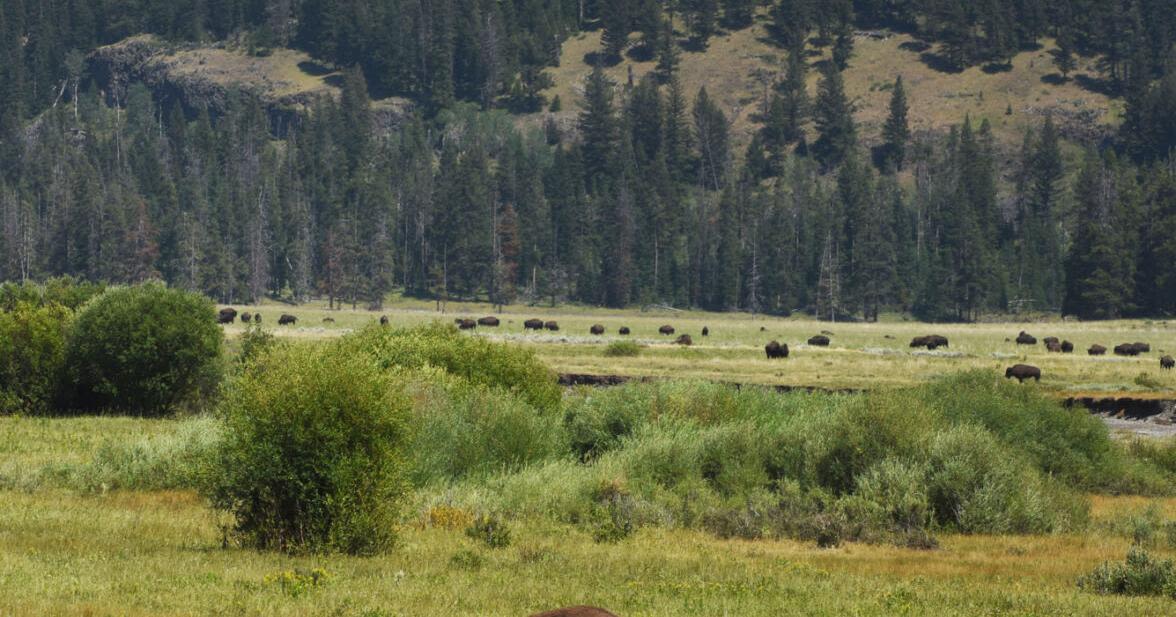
(63, 291)
(145, 349)
(478, 360)
(32, 356)
(312, 456)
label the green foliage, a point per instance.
(1140, 575)
(145, 349)
(255, 343)
(622, 349)
(63, 291)
(32, 356)
(482, 362)
(490, 530)
(298, 582)
(312, 457)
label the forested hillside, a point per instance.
(646, 195)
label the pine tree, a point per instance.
(834, 119)
(710, 125)
(668, 56)
(701, 17)
(1063, 55)
(843, 46)
(896, 132)
(617, 25)
(1098, 269)
(598, 128)
(794, 97)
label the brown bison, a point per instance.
(1023, 372)
(1126, 349)
(775, 350)
(1067, 347)
(1167, 363)
(819, 341)
(596, 329)
(1051, 339)
(705, 331)
(1097, 350)
(226, 315)
(551, 325)
(1053, 347)
(287, 320)
(919, 341)
(1142, 347)
(383, 320)
(576, 611)
(684, 340)
(666, 330)
(1024, 338)
(257, 318)
(935, 341)
(533, 324)
(467, 324)
(490, 322)
(624, 331)
(246, 318)
(328, 320)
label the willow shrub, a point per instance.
(32, 356)
(312, 452)
(145, 349)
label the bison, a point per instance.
(1067, 347)
(1097, 350)
(490, 322)
(1142, 347)
(596, 329)
(551, 325)
(1051, 339)
(775, 350)
(328, 320)
(1126, 349)
(576, 611)
(467, 324)
(287, 320)
(257, 318)
(666, 330)
(1167, 363)
(246, 318)
(1023, 372)
(684, 340)
(705, 331)
(1025, 338)
(935, 341)
(624, 331)
(383, 320)
(919, 341)
(819, 341)
(533, 324)
(1053, 347)
(226, 316)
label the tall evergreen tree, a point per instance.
(834, 118)
(896, 132)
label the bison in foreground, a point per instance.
(1097, 350)
(1023, 372)
(533, 324)
(226, 316)
(287, 320)
(576, 611)
(1025, 338)
(775, 350)
(1167, 363)
(491, 322)
(383, 320)
(819, 341)
(596, 329)
(705, 331)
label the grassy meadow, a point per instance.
(861, 356)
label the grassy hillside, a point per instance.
(739, 68)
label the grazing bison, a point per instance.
(328, 320)
(226, 315)
(666, 330)
(684, 340)
(775, 350)
(467, 324)
(1142, 347)
(1167, 363)
(383, 320)
(1025, 338)
(763, 329)
(1053, 347)
(624, 331)
(1067, 347)
(458, 320)
(246, 318)
(935, 341)
(819, 341)
(705, 331)
(1023, 372)
(1126, 349)
(576, 611)
(919, 341)
(596, 329)
(1097, 350)
(1051, 339)
(490, 322)
(533, 324)
(287, 320)
(257, 318)
(551, 325)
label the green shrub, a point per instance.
(483, 362)
(1140, 575)
(490, 530)
(622, 349)
(899, 489)
(312, 455)
(173, 461)
(32, 356)
(145, 349)
(255, 342)
(63, 291)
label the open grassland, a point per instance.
(862, 355)
(159, 553)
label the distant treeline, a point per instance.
(644, 201)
